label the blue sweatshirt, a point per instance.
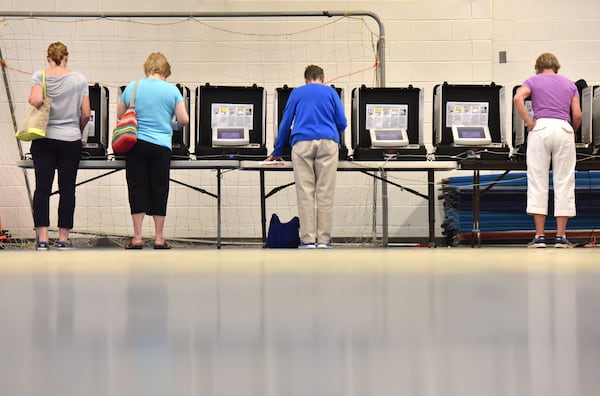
(316, 112)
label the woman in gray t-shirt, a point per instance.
(61, 149)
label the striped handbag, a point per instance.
(124, 135)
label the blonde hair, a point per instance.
(547, 61)
(157, 63)
(57, 52)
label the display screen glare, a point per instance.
(471, 132)
(389, 135)
(230, 134)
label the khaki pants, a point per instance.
(315, 169)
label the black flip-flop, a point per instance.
(135, 246)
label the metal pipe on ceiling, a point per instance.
(380, 70)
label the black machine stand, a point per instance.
(226, 111)
(95, 134)
(466, 107)
(387, 124)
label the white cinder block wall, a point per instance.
(426, 42)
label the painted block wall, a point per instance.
(426, 43)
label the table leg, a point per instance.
(374, 209)
(263, 209)
(384, 208)
(219, 175)
(431, 205)
(475, 232)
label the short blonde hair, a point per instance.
(547, 61)
(57, 52)
(157, 63)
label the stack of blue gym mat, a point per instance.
(502, 206)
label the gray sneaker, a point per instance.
(537, 242)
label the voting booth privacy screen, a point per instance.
(181, 134)
(282, 94)
(387, 123)
(230, 122)
(586, 137)
(469, 120)
(595, 119)
(519, 129)
(95, 133)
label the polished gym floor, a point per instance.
(489, 321)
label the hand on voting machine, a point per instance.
(272, 163)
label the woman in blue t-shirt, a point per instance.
(148, 163)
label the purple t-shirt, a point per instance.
(551, 95)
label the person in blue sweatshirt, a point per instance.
(312, 121)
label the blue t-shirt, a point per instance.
(316, 112)
(154, 102)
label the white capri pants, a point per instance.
(552, 141)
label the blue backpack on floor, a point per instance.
(283, 235)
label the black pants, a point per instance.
(147, 167)
(50, 155)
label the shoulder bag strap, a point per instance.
(44, 83)
(131, 104)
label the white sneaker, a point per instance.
(307, 246)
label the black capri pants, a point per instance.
(147, 167)
(49, 156)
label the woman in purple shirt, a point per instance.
(550, 141)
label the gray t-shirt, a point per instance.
(67, 93)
